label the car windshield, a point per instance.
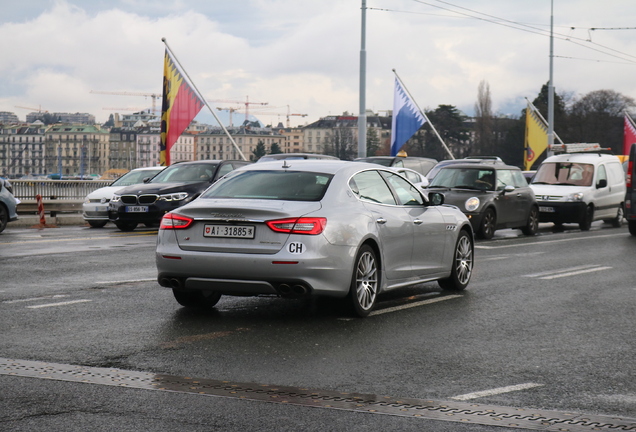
(135, 177)
(272, 185)
(564, 173)
(186, 173)
(465, 178)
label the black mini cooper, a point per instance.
(492, 196)
(171, 188)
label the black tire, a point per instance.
(97, 224)
(196, 299)
(617, 222)
(365, 282)
(532, 224)
(488, 225)
(126, 226)
(463, 260)
(586, 219)
(632, 227)
(4, 217)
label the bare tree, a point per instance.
(484, 139)
(342, 143)
(597, 117)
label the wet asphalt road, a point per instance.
(554, 313)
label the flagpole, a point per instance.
(203, 99)
(423, 114)
(534, 109)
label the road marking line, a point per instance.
(58, 304)
(572, 271)
(569, 269)
(411, 305)
(576, 273)
(125, 281)
(548, 242)
(34, 299)
(496, 391)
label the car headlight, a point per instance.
(179, 196)
(575, 197)
(471, 204)
(116, 198)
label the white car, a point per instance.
(95, 207)
(413, 176)
(580, 188)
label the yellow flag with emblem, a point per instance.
(536, 141)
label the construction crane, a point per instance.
(231, 110)
(154, 96)
(40, 110)
(247, 104)
(287, 115)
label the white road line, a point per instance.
(526, 245)
(576, 273)
(411, 305)
(125, 281)
(571, 271)
(58, 304)
(34, 299)
(496, 391)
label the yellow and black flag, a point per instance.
(180, 105)
(536, 141)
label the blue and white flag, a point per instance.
(407, 118)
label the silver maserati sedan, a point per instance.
(297, 228)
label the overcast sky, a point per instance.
(306, 54)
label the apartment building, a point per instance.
(22, 150)
(215, 144)
(76, 150)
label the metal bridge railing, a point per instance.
(56, 189)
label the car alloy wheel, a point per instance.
(462, 267)
(532, 225)
(488, 223)
(365, 281)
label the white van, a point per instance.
(580, 188)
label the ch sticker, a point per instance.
(296, 248)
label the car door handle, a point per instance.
(380, 220)
(418, 222)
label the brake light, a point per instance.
(303, 225)
(630, 166)
(175, 221)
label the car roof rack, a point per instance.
(579, 148)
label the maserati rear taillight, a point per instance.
(303, 225)
(175, 221)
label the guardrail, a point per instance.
(57, 195)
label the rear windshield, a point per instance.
(564, 173)
(271, 185)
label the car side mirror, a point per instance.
(146, 179)
(601, 184)
(509, 188)
(436, 198)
